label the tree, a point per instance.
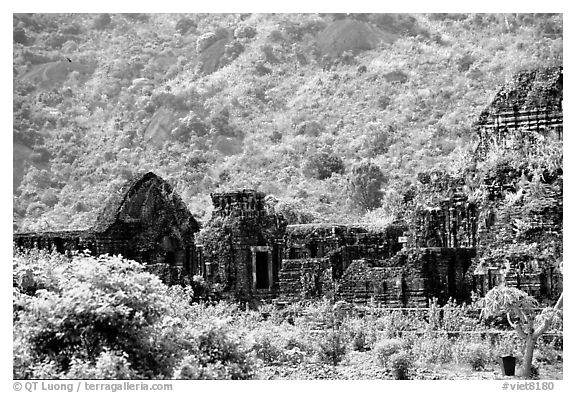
(102, 21)
(520, 309)
(84, 317)
(20, 36)
(185, 25)
(78, 309)
(364, 186)
(322, 165)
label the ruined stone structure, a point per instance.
(412, 278)
(249, 250)
(524, 112)
(451, 222)
(442, 251)
(241, 246)
(317, 255)
(145, 221)
(525, 116)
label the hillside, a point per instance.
(294, 105)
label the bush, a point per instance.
(465, 63)
(359, 341)
(190, 367)
(108, 365)
(102, 21)
(73, 29)
(267, 350)
(218, 355)
(398, 23)
(136, 17)
(84, 307)
(401, 363)
(322, 165)
(436, 349)
(310, 128)
(231, 51)
(19, 36)
(478, 356)
(185, 25)
(386, 348)
(546, 354)
(384, 101)
(332, 348)
(245, 32)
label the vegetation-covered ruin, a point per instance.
(445, 249)
(248, 249)
(352, 185)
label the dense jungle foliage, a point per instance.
(335, 115)
(82, 317)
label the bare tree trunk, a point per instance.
(528, 355)
(532, 337)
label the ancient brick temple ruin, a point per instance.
(363, 264)
(525, 117)
(526, 111)
(241, 246)
(145, 221)
(442, 251)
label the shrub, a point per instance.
(465, 63)
(546, 354)
(231, 51)
(401, 363)
(359, 341)
(433, 349)
(218, 355)
(72, 28)
(478, 356)
(310, 128)
(19, 36)
(188, 368)
(322, 165)
(276, 36)
(332, 348)
(84, 308)
(267, 350)
(102, 21)
(384, 101)
(136, 17)
(398, 23)
(185, 25)
(245, 32)
(386, 348)
(108, 365)
(294, 355)
(348, 35)
(191, 368)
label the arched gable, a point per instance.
(145, 215)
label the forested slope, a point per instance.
(310, 108)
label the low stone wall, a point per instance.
(409, 279)
(364, 281)
(305, 278)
